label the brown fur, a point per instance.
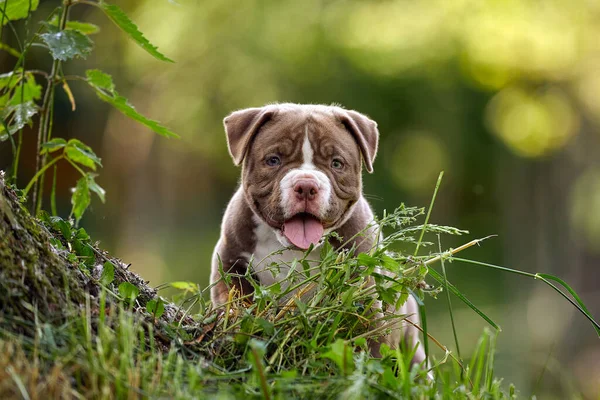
(254, 135)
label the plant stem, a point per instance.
(449, 301)
(45, 118)
(82, 172)
(437, 186)
(40, 172)
(53, 194)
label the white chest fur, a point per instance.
(269, 250)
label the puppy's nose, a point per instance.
(306, 189)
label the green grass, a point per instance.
(97, 331)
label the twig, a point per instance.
(45, 119)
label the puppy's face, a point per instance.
(302, 169)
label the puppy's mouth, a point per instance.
(303, 229)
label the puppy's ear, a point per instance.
(365, 133)
(241, 126)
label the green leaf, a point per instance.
(84, 251)
(341, 354)
(129, 291)
(122, 104)
(267, 326)
(61, 225)
(17, 9)
(53, 145)
(108, 273)
(366, 260)
(83, 27)
(82, 154)
(100, 79)
(94, 187)
(156, 307)
(583, 309)
(102, 83)
(68, 44)
(26, 92)
(187, 286)
(21, 115)
(10, 79)
(81, 198)
(440, 279)
(82, 235)
(16, 91)
(122, 21)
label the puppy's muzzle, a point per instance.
(306, 189)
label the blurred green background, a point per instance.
(504, 96)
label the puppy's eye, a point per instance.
(273, 161)
(337, 164)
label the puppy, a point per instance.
(301, 179)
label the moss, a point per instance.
(39, 284)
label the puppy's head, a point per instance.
(301, 165)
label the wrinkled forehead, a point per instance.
(320, 124)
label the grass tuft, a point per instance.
(76, 323)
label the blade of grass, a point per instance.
(477, 362)
(440, 279)
(544, 278)
(489, 366)
(260, 371)
(437, 186)
(570, 290)
(53, 194)
(449, 301)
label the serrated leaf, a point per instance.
(128, 291)
(100, 79)
(82, 154)
(68, 44)
(102, 83)
(11, 79)
(126, 24)
(108, 273)
(18, 88)
(22, 115)
(17, 9)
(94, 187)
(80, 200)
(53, 145)
(122, 104)
(26, 91)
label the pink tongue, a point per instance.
(302, 230)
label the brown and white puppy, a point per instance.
(301, 179)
